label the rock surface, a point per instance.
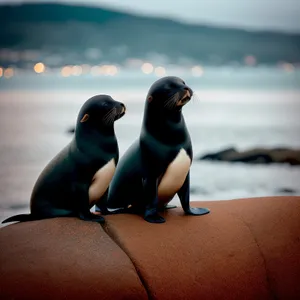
(64, 258)
(256, 156)
(243, 249)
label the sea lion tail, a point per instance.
(20, 218)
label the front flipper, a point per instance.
(153, 217)
(151, 199)
(184, 196)
(81, 192)
(197, 211)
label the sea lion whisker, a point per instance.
(171, 102)
(171, 98)
(110, 121)
(174, 103)
(108, 115)
(110, 118)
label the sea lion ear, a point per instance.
(84, 118)
(150, 98)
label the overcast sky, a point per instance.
(256, 14)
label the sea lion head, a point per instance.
(169, 93)
(100, 111)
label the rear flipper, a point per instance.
(41, 216)
(19, 218)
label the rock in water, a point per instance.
(256, 156)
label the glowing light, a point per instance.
(39, 68)
(9, 72)
(76, 70)
(147, 68)
(197, 71)
(66, 71)
(111, 70)
(108, 70)
(250, 60)
(1, 72)
(85, 68)
(287, 67)
(160, 71)
(134, 63)
(104, 69)
(95, 70)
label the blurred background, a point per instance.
(241, 57)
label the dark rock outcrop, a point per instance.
(286, 191)
(256, 156)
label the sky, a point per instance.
(282, 15)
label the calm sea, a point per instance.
(244, 109)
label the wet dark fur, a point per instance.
(62, 188)
(162, 136)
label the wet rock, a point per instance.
(286, 191)
(219, 155)
(256, 156)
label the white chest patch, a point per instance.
(101, 181)
(174, 176)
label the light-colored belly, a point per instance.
(174, 176)
(101, 181)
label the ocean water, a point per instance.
(244, 111)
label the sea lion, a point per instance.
(78, 176)
(157, 165)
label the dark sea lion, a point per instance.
(78, 176)
(157, 164)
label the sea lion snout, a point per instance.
(187, 95)
(121, 110)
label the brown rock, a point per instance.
(64, 258)
(243, 249)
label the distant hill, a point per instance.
(70, 30)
